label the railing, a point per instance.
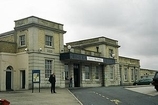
(82, 51)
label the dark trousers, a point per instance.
(70, 84)
(52, 87)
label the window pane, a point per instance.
(110, 53)
(111, 72)
(22, 40)
(48, 40)
(97, 72)
(48, 68)
(66, 72)
(132, 74)
(87, 72)
(125, 74)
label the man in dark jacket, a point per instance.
(52, 80)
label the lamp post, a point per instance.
(69, 47)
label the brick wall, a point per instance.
(9, 47)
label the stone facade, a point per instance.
(129, 70)
(19, 60)
(36, 43)
(98, 47)
(147, 73)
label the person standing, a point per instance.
(52, 80)
(70, 84)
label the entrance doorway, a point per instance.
(9, 78)
(76, 75)
(23, 79)
(102, 75)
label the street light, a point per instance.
(113, 55)
(40, 49)
(69, 47)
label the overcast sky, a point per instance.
(134, 23)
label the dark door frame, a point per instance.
(103, 75)
(76, 68)
(23, 79)
(9, 78)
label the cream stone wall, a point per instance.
(39, 21)
(129, 64)
(1, 71)
(8, 59)
(92, 48)
(147, 73)
(22, 64)
(35, 29)
(103, 44)
(18, 34)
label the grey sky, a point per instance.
(133, 23)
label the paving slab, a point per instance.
(144, 89)
(44, 97)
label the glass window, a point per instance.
(136, 74)
(125, 74)
(87, 72)
(97, 72)
(48, 40)
(66, 72)
(111, 72)
(22, 40)
(132, 74)
(48, 68)
(111, 53)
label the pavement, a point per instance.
(62, 97)
(143, 89)
(26, 97)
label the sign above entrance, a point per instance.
(94, 59)
(82, 57)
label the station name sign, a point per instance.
(95, 59)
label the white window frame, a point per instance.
(111, 52)
(22, 40)
(48, 67)
(136, 74)
(49, 40)
(125, 74)
(96, 72)
(132, 74)
(87, 72)
(66, 72)
(111, 72)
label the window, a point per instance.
(22, 40)
(97, 72)
(136, 74)
(87, 72)
(111, 53)
(48, 40)
(66, 72)
(132, 74)
(125, 74)
(48, 68)
(111, 72)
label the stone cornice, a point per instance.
(7, 33)
(95, 44)
(39, 26)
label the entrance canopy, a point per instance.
(82, 57)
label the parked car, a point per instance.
(155, 81)
(144, 81)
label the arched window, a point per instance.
(9, 68)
